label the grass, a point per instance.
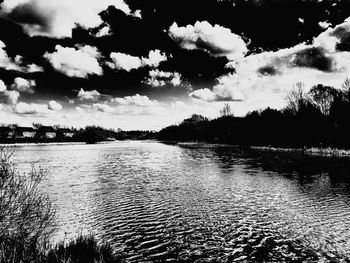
(83, 249)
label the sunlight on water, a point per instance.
(213, 203)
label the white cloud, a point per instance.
(216, 40)
(54, 105)
(35, 108)
(8, 96)
(23, 85)
(2, 86)
(155, 57)
(333, 36)
(324, 24)
(227, 89)
(136, 100)
(32, 108)
(58, 18)
(30, 68)
(92, 95)
(159, 78)
(103, 108)
(75, 62)
(124, 61)
(203, 94)
(104, 31)
(128, 62)
(15, 64)
(264, 79)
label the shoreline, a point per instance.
(328, 151)
(331, 152)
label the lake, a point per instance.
(198, 203)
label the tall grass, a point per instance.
(82, 249)
(28, 220)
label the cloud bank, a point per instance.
(58, 18)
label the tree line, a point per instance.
(317, 118)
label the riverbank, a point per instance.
(332, 152)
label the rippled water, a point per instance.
(200, 203)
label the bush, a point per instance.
(27, 217)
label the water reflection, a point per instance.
(200, 203)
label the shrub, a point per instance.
(27, 217)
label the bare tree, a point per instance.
(346, 84)
(346, 88)
(27, 217)
(296, 98)
(226, 111)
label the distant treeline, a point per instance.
(93, 134)
(39, 133)
(318, 118)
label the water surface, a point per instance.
(199, 203)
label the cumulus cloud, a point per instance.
(15, 64)
(264, 79)
(92, 95)
(34, 108)
(128, 62)
(155, 57)
(324, 24)
(23, 85)
(136, 100)
(54, 105)
(8, 96)
(58, 18)
(227, 89)
(332, 37)
(159, 78)
(124, 61)
(2, 86)
(75, 62)
(104, 31)
(216, 40)
(103, 108)
(129, 105)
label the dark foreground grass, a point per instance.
(82, 249)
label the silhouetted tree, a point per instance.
(226, 111)
(323, 97)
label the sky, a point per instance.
(137, 64)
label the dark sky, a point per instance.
(149, 64)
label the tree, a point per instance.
(323, 97)
(296, 98)
(195, 118)
(27, 217)
(226, 111)
(346, 89)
